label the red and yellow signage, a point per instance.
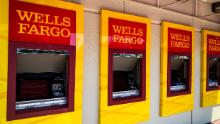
(179, 40)
(210, 47)
(213, 44)
(123, 32)
(176, 39)
(42, 21)
(41, 24)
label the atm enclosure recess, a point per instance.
(44, 77)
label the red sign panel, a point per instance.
(213, 44)
(126, 34)
(41, 24)
(179, 40)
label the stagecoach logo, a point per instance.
(44, 24)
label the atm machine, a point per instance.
(44, 71)
(177, 64)
(124, 68)
(210, 68)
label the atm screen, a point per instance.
(213, 72)
(179, 73)
(126, 75)
(41, 78)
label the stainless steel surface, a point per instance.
(123, 94)
(40, 103)
(177, 88)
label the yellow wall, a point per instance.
(130, 113)
(64, 118)
(181, 103)
(208, 98)
(3, 58)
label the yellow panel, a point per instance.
(63, 118)
(3, 57)
(181, 103)
(208, 98)
(130, 113)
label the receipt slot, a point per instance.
(177, 58)
(44, 70)
(210, 68)
(125, 62)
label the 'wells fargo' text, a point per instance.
(179, 40)
(43, 24)
(128, 35)
(214, 45)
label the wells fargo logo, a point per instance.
(180, 40)
(42, 24)
(124, 34)
(213, 43)
(127, 35)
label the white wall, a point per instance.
(91, 69)
(91, 60)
